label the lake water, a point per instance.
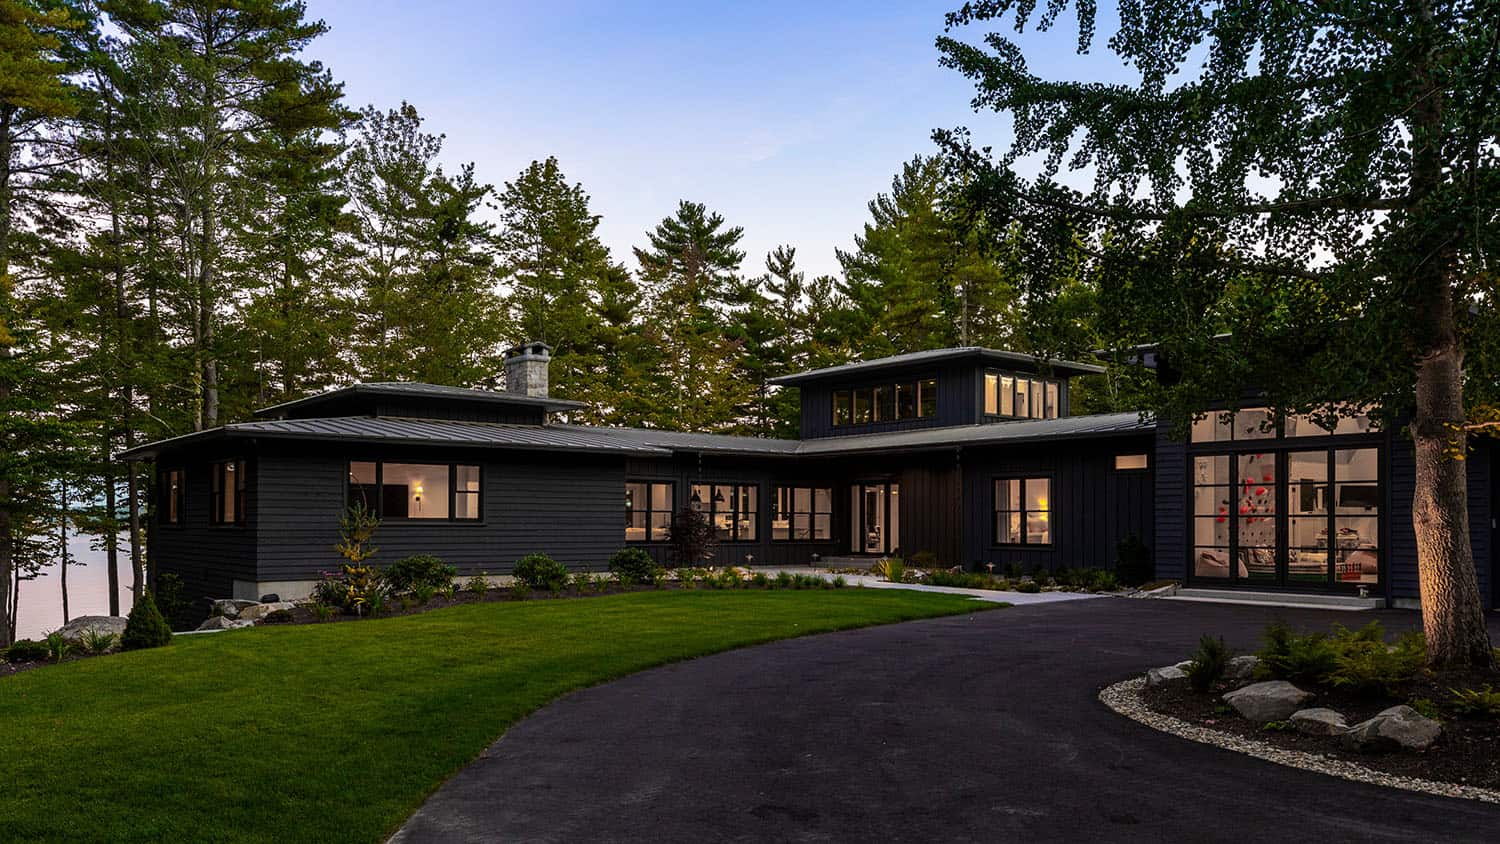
(40, 608)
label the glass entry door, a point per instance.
(875, 518)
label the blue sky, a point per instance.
(785, 117)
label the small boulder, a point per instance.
(1162, 676)
(270, 599)
(73, 630)
(260, 611)
(1241, 667)
(1273, 700)
(231, 607)
(220, 622)
(1397, 728)
(1183, 666)
(1319, 721)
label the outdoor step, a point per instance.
(1279, 599)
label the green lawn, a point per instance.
(337, 732)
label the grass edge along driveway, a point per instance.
(338, 732)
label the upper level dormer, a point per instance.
(939, 388)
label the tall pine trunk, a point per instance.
(111, 532)
(62, 547)
(7, 540)
(1452, 611)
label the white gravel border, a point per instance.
(1125, 698)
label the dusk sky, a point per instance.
(785, 117)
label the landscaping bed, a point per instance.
(1335, 700)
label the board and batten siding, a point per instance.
(1093, 506)
(1401, 560)
(958, 386)
(1171, 500)
(570, 508)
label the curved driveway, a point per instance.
(971, 728)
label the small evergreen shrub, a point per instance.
(1030, 587)
(635, 565)
(1106, 582)
(924, 560)
(26, 650)
(171, 601)
(1483, 702)
(1288, 656)
(693, 540)
(1133, 565)
(1366, 664)
(1208, 663)
(357, 589)
(478, 585)
(144, 627)
(409, 574)
(539, 571)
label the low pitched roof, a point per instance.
(413, 389)
(995, 433)
(387, 429)
(980, 354)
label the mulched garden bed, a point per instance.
(303, 614)
(1468, 752)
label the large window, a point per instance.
(170, 501)
(802, 514)
(1281, 509)
(227, 488)
(886, 403)
(648, 511)
(1023, 511)
(1020, 397)
(416, 490)
(732, 509)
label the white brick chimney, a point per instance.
(526, 369)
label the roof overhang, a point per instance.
(977, 354)
(419, 391)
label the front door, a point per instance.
(875, 518)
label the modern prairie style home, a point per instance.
(968, 454)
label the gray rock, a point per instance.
(1183, 666)
(1397, 728)
(73, 630)
(270, 599)
(260, 611)
(1319, 722)
(1241, 667)
(231, 607)
(1162, 676)
(1273, 700)
(220, 622)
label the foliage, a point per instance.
(635, 565)
(1030, 587)
(144, 627)
(356, 589)
(174, 605)
(1273, 185)
(322, 611)
(1425, 707)
(1133, 563)
(96, 641)
(357, 526)
(1289, 656)
(539, 571)
(890, 568)
(26, 650)
(419, 571)
(1208, 663)
(277, 617)
(924, 560)
(478, 585)
(1483, 702)
(1366, 664)
(691, 538)
(58, 647)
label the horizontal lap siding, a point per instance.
(569, 508)
(208, 558)
(1402, 565)
(1093, 506)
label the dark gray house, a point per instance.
(968, 454)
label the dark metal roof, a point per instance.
(413, 389)
(387, 429)
(978, 353)
(997, 433)
(708, 443)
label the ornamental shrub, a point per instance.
(1288, 656)
(539, 571)
(419, 570)
(145, 627)
(634, 565)
(692, 538)
(26, 650)
(1208, 663)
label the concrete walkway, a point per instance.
(968, 728)
(873, 582)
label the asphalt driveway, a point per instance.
(971, 728)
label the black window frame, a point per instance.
(995, 511)
(217, 492)
(650, 511)
(171, 498)
(379, 504)
(812, 513)
(1115, 461)
(1041, 394)
(729, 506)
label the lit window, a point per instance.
(1023, 511)
(733, 509)
(416, 490)
(648, 511)
(227, 489)
(802, 514)
(1132, 462)
(171, 497)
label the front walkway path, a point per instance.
(969, 728)
(873, 582)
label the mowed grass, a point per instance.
(338, 732)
